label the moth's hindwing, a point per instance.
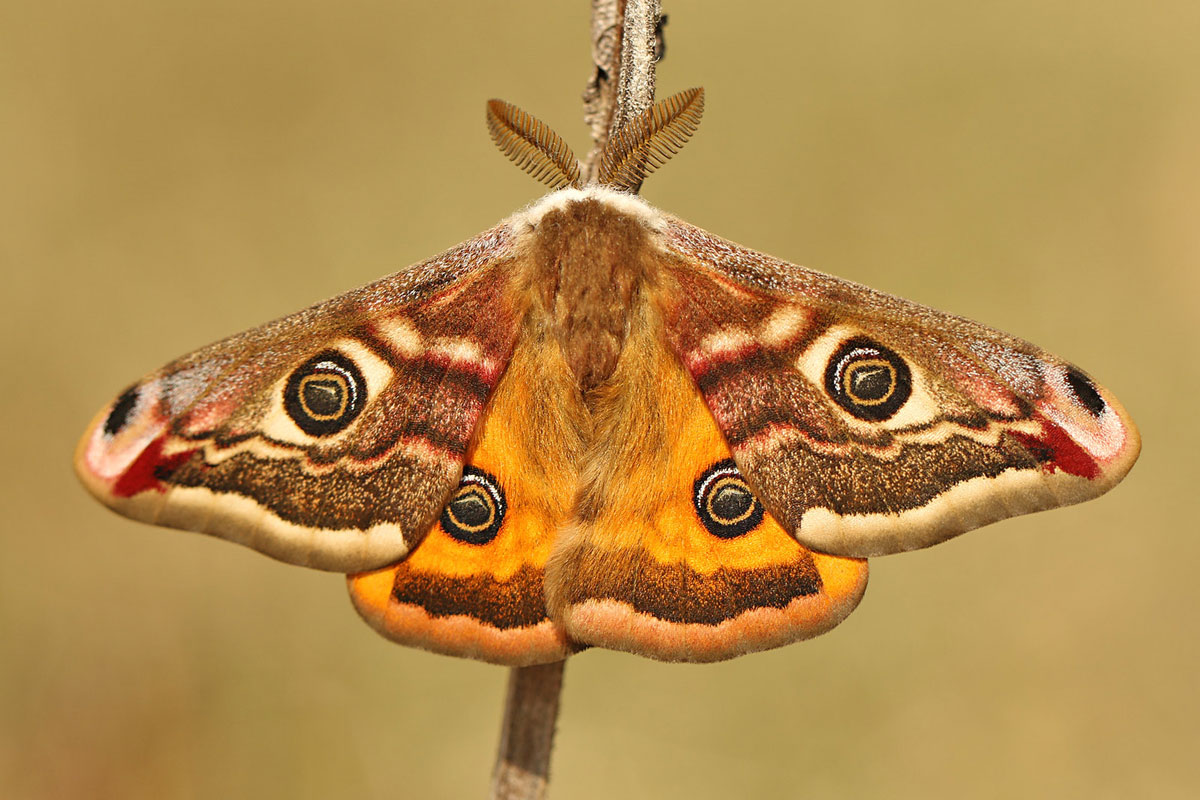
(870, 425)
(474, 586)
(670, 554)
(330, 438)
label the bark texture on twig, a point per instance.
(600, 94)
(530, 710)
(635, 86)
(624, 54)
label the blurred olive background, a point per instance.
(174, 172)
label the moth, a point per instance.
(597, 425)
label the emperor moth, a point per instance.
(597, 425)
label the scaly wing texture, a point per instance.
(669, 554)
(474, 587)
(330, 438)
(871, 425)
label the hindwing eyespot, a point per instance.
(724, 502)
(476, 510)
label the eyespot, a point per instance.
(1085, 391)
(723, 499)
(868, 380)
(118, 418)
(325, 394)
(476, 511)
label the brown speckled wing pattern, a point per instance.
(978, 425)
(211, 442)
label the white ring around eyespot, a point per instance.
(481, 480)
(712, 476)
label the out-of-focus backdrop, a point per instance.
(171, 173)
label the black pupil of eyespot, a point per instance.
(119, 416)
(325, 396)
(870, 381)
(731, 502)
(471, 509)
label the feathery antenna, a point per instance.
(648, 141)
(532, 145)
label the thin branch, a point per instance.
(624, 53)
(522, 769)
(635, 89)
(600, 94)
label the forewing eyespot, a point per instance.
(868, 380)
(325, 394)
(723, 500)
(476, 510)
